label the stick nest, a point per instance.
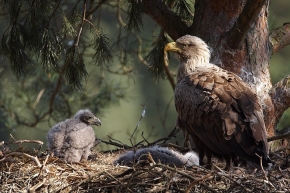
(37, 171)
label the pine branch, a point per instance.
(82, 24)
(134, 15)
(38, 19)
(20, 38)
(155, 57)
(68, 29)
(75, 70)
(102, 49)
(13, 46)
(74, 67)
(53, 14)
(50, 52)
(183, 9)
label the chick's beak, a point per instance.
(95, 121)
(172, 47)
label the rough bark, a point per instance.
(247, 17)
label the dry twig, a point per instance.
(35, 159)
(197, 181)
(35, 187)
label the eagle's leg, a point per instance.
(235, 160)
(203, 150)
(187, 138)
(201, 156)
(208, 155)
(201, 153)
(200, 147)
(228, 159)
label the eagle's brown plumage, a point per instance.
(216, 107)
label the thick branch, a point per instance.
(248, 16)
(280, 94)
(279, 37)
(282, 136)
(165, 18)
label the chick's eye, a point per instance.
(87, 117)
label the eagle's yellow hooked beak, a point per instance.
(172, 47)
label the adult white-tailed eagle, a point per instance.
(216, 107)
(73, 138)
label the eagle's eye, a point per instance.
(184, 46)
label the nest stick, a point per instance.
(197, 181)
(35, 159)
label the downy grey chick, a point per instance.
(159, 154)
(73, 138)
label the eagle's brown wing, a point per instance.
(217, 107)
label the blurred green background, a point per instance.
(121, 117)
